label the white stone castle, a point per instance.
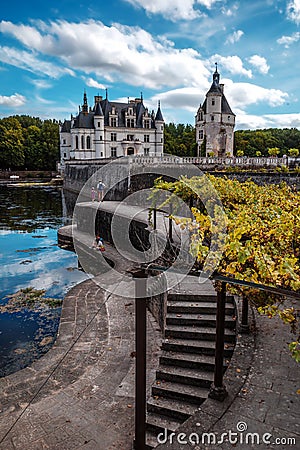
(215, 122)
(111, 129)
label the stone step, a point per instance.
(175, 306)
(182, 392)
(158, 423)
(197, 298)
(197, 320)
(189, 360)
(201, 347)
(184, 375)
(151, 440)
(201, 333)
(177, 409)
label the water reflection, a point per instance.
(29, 256)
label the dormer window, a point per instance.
(146, 123)
(113, 121)
(130, 123)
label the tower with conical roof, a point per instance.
(159, 131)
(215, 122)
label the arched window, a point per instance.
(88, 142)
(76, 141)
(82, 142)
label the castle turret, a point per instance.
(159, 127)
(99, 128)
(215, 122)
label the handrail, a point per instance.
(230, 280)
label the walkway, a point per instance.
(82, 390)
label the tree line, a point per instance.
(32, 143)
(28, 143)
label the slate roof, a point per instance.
(217, 90)
(66, 126)
(104, 108)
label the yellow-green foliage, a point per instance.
(263, 233)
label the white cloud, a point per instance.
(293, 11)
(233, 64)
(248, 121)
(173, 9)
(41, 84)
(234, 37)
(241, 95)
(260, 63)
(13, 101)
(94, 84)
(29, 61)
(289, 40)
(114, 53)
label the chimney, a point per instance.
(222, 88)
(97, 98)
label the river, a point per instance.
(30, 257)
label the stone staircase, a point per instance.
(186, 365)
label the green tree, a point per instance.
(11, 144)
(274, 151)
(293, 152)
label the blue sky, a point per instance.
(50, 51)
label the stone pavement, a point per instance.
(262, 382)
(80, 395)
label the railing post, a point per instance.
(244, 326)
(170, 225)
(154, 219)
(218, 390)
(140, 278)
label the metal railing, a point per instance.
(218, 390)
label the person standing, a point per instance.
(93, 194)
(100, 189)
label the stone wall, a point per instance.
(138, 176)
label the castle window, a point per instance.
(130, 123)
(200, 117)
(213, 102)
(146, 151)
(212, 118)
(76, 142)
(65, 155)
(201, 134)
(147, 124)
(99, 124)
(88, 142)
(113, 136)
(228, 117)
(64, 141)
(113, 121)
(82, 142)
(113, 152)
(146, 138)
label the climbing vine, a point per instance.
(263, 237)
